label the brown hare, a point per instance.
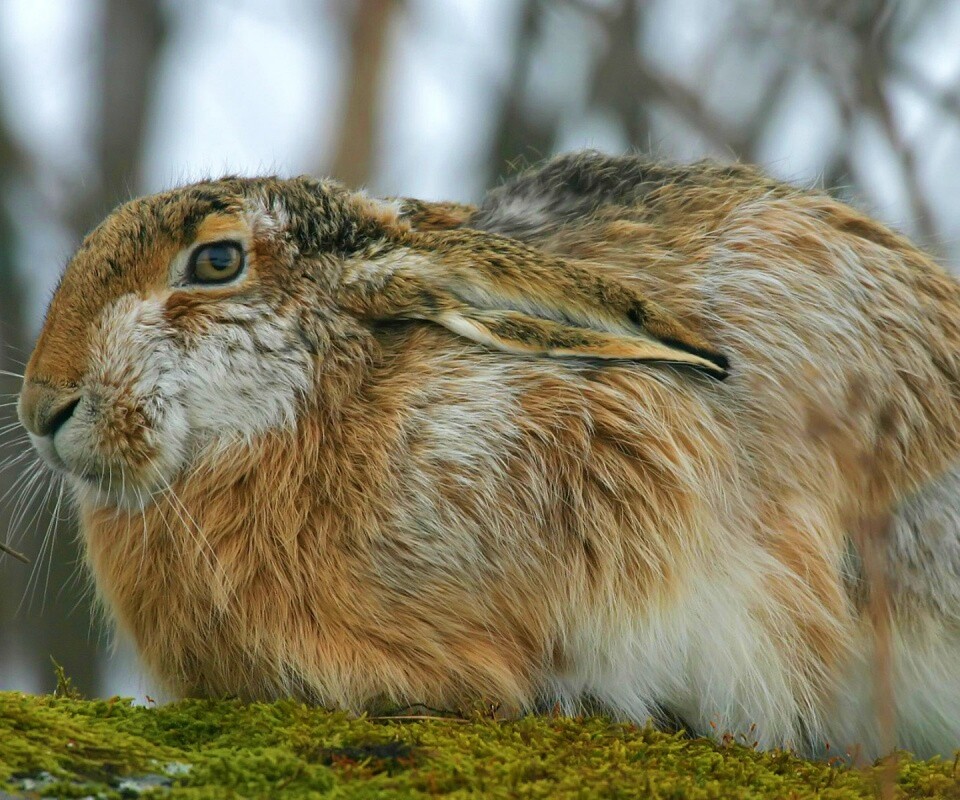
(613, 439)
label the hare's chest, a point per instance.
(200, 624)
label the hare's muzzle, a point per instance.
(44, 411)
(91, 437)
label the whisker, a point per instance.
(52, 533)
(145, 541)
(32, 469)
(16, 458)
(30, 474)
(46, 547)
(196, 532)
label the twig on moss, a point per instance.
(65, 687)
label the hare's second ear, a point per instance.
(424, 216)
(542, 306)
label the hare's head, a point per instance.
(202, 317)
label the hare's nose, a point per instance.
(54, 420)
(43, 411)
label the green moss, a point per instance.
(207, 749)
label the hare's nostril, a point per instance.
(58, 418)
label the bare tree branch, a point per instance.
(947, 100)
(520, 134)
(133, 33)
(874, 69)
(667, 92)
(353, 158)
(617, 82)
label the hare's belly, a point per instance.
(713, 660)
(722, 659)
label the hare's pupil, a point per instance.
(221, 258)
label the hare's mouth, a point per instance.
(53, 460)
(116, 478)
(115, 487)
(102, 485)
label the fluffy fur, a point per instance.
(436, 453)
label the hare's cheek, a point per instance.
(130, 431)
(244, 376)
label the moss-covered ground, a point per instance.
(67, 747)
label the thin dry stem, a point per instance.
(14, 553)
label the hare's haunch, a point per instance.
(618, 438)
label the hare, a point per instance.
(619, 438)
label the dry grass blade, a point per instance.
(871, 538)
(14, 553)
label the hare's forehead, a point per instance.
(137, 253)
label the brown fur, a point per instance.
(447, 519)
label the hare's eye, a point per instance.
(216, 263)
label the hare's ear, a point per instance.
(528, 303)
(517, 332)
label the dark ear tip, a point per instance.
(723, 363)
(717, 359)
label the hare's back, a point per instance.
(842, 335)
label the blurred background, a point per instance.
(101, 100)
